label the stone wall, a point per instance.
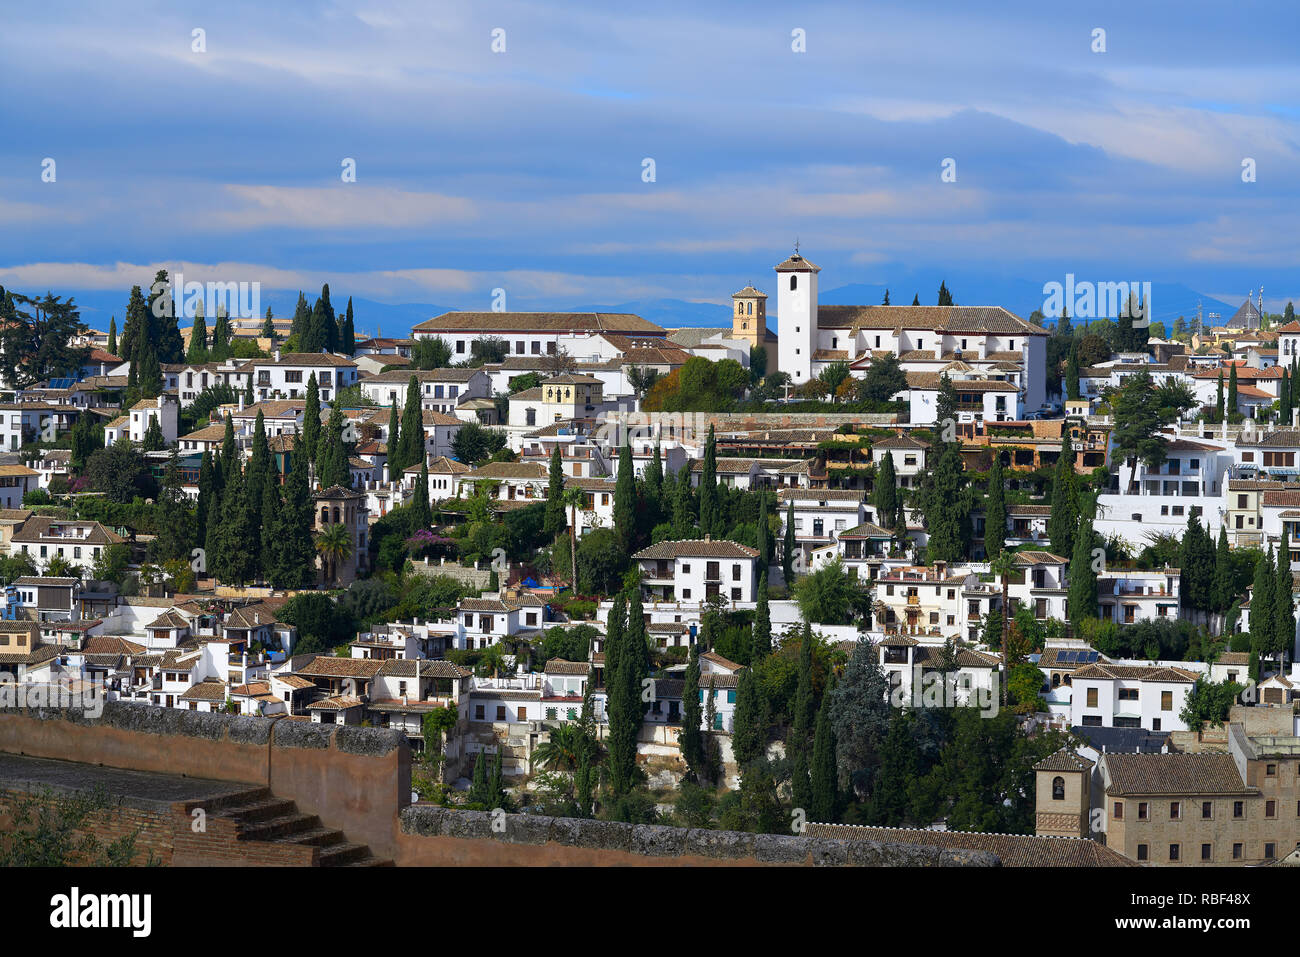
(355, 779)
(440, 837)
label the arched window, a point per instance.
(1058, 788)
(794, 283)
(751, 308)
(1056, 681)
(336, 514)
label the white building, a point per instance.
(1125, 696)
(286, 375)
(699, 569)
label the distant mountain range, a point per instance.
(1020, 296)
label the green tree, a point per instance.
(554, 496)
(709, 485)
(1082, 599)
(884, 493)
(789, 547)
(1064, 520)
(749, 733)
(197, 352)
(859, 715)
(761, 636)
(306, 446)
(825, 774)
(995, 510)
(625, 500)
(692, 740)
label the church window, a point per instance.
(794, 283)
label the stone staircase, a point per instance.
(258, 819)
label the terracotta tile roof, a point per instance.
(538, 321)
(558, 666)
(1064, 760)
(696, 548)
(1140, 775)
(210, 690)
(336, 703)
(429, 668)
(722, 662)
(37, 528)
(328, 666)
(112, 645)
(1109, 671)
(509, 470)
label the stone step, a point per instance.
(320, 835)
(259, 810)
(336, 855)
(275, 828)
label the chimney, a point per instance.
(276, 353)
(241, 402)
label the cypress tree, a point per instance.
(311, 423)
(272, 510)
(412, 429)
(422, 514)
(332, 455)
(1082, 599)
(1072, 371)
(625, 501)
(692, 740)
(884, 492)
(654, 488)
(221, 335)
(1284, 397)
(995, 511)
(624, 716)
(709, 485)
(394, 439)
(1284, 600)
(478, 789)
(825, 777)
(803, 711)
(228, 459)
(348, 333)
(761, 635)
(553, 523)
(764, 535)
(1232, 391)
(1219, 402)
(197, 353)
(1223, 595)
(1262, 606)
(748, 735)
(204, 503)
(1064, 520)
(787, 552)
(294, 562)
(301, 319)
(683, 502)
(112, 336)
(947, 508)
(165, 334)
(268, 327)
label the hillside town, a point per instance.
(917, 573)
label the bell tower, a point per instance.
(749, 315)
(796, 315)
(1063, 795)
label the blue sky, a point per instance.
(523, 169)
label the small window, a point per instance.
(1173, 852)
(1206, 852)
(1142, 852)
(1058, 788)
(1143, 811)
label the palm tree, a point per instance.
(334, 542)
(574, 499)
(562, 751)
